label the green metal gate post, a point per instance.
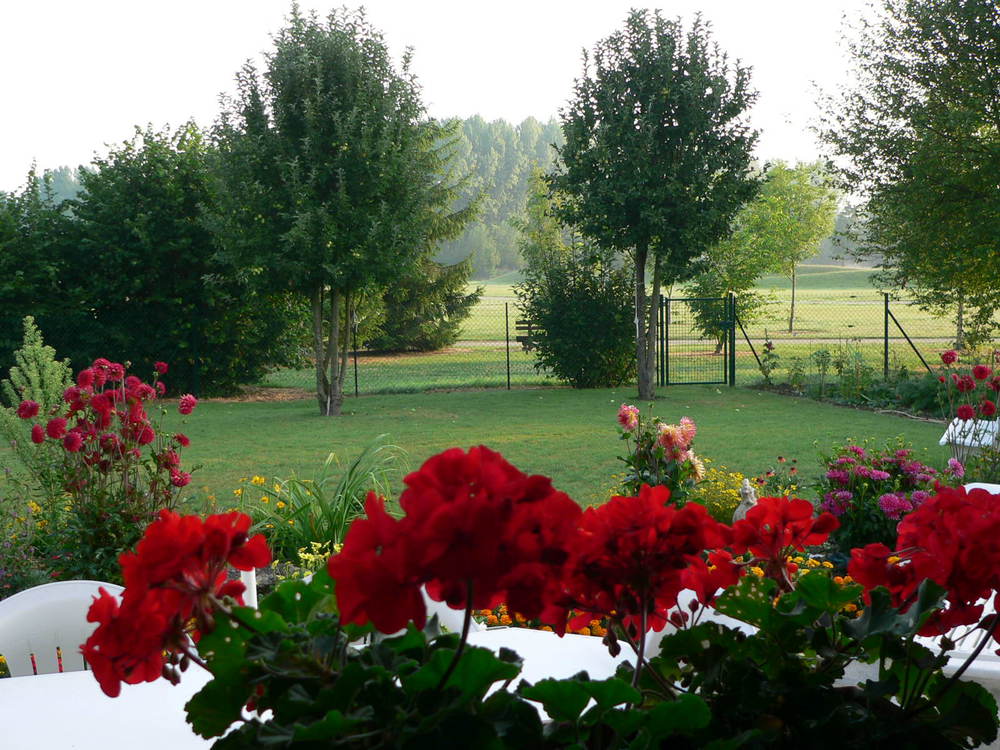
(731, 335)
(885, 339)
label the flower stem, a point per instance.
(466, 624)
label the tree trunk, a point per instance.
(645, 323)
(330, 355)
(791, 313)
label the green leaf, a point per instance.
(334, 724)
(821, 592)
(477, 670)
(685, 715)
(611, 692)
(563, 700)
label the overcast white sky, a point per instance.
(77, 75)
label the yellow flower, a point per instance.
(277, 488)
(850, 607)
(812, 563)
(291, 522)
(265, 499)
(257, 480)
(34, 507)
(757, 571)
(848, 579)
(799, 559)
(279, 505)
(827, 564)
(893, 559)
(242, 480)
(268, 525)
(238, 491)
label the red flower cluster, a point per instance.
(950, 539)
(634, 555)
(476, 532)
(777, 525)
(106, 422)
(172, 582)
(966, 385)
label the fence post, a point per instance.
(885, 347)
(506, 325)
(355, 332)
(732, 339)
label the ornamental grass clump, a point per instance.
(871, 489)
(117, 468)
(476, 531)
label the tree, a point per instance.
(657, 159)
(333, 181)
(152, 286)
(917, 133)
(425, 310)
(793, 214)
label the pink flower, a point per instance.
(183, 440)
(37, 434)
(894, 506)
(161, 367)
(628, 417)
(688, 430)
(27, 409)
(671, 437)
(73, 442)
(188, 402)
(955, 468)
(949, 357)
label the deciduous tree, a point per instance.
(657, 159)
(918, 136)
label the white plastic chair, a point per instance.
(41, 628)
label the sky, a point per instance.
(78, 76)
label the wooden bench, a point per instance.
(525, 333)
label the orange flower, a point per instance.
(505, 619)
(492, 620)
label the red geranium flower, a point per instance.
(630, 559)
(777, 525)
(27, 409)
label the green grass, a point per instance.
(566, 434)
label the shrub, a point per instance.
(659, 455)
(871, 489)
(718, 491)
(39, 377)
(117, 468)
(584, 320)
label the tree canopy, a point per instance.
(336, 183)
(917, 136)
(657, 159)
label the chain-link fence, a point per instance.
(859, 331)
(487, 354)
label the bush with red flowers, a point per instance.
(117, 469)
(969, 395)
(310, 665)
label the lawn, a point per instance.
(566, 434)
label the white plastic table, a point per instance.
(69, 712)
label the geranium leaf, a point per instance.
(612, 692)
(563, 700)
(684, 715)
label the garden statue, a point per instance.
(748, 499)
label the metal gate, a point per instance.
(697, 343)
